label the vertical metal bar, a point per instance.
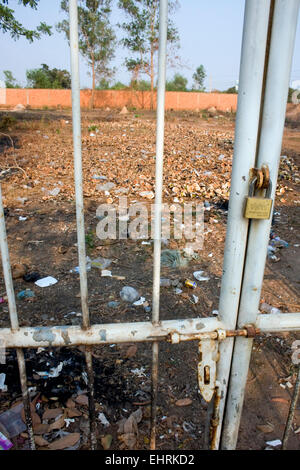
(247, 121)
(15, 322)
(76, 114)
(280, 60)
(161, 88)
(291, 411)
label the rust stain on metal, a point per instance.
(66, 337)
(91, 392)
(215, 419)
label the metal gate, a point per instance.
(267, 50)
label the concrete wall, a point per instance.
(118, 98)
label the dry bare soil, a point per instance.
(37, 152)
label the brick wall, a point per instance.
(119, 98)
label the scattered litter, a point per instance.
(139, 302)
(88, 266)
(188, 427)
(165, 282)
(46, 282)
(22, 200)
(271, 253)
(105, 187)
(68, 421)
(113, 304)
(277, 241)
(54, 192)
(12, 421)
(172, 259)
(73, 313)
(25, 294)
(215, 312)
(139, 372)
(106, 273)
(147, 194)
(3, 300)
(54, 372)
(198, 275)
(3, 387)
(266, 308)
(189, 283)
(178, 290)
(31, 277)
(102, 418)
(95, 177)
(275, 443)
(101, 263)
(5, 443)
(195, 299)
(129, 294)
(22, 219)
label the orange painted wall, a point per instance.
(119, 98)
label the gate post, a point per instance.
(247, 122)
(273, 117)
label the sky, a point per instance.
(210, 33)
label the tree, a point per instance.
(9, 79)
(119, 86)
(8, 23)
(45, 77)
(231, 90)
(141, 36)
(178, 83)
(97, 39)
(199, 77)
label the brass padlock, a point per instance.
(258, 207)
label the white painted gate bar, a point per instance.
(246, 133)
(278, 75)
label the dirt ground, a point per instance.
(38, 195)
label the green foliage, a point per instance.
(199, 77)
(8, 23)
(97, 39)
(231, 90)
(119, 86)
(90, 240)
(141, 33)
(291, 91)
(9, 79)
(140, 85)
(93, 128)
(178, 83)
(103, 84)
(44, 77)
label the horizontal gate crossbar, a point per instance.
(62, 336)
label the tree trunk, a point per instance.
(152, 78)
(93, 85)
